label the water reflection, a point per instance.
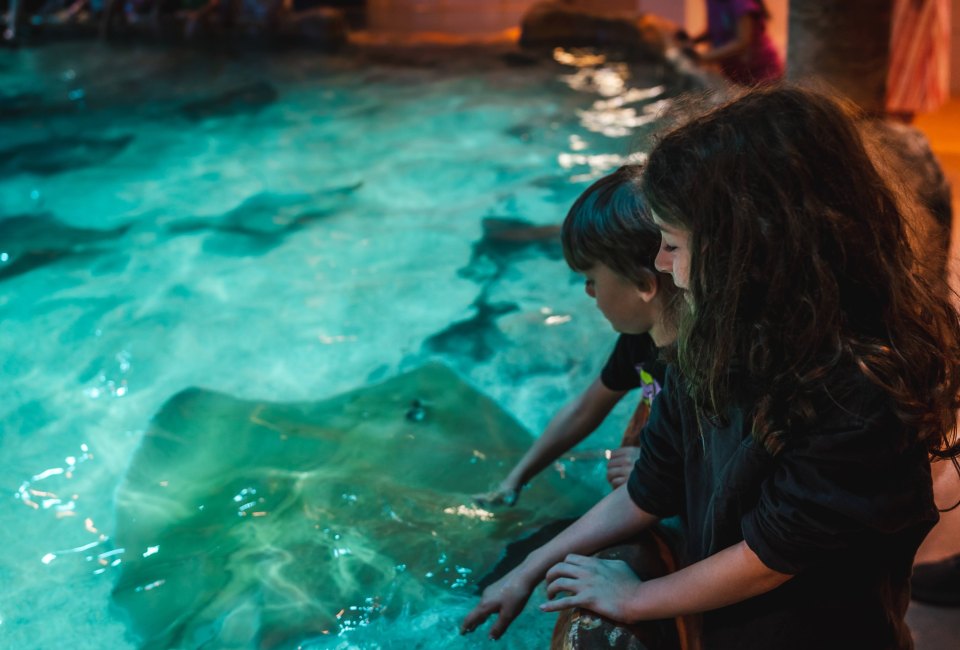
(620, 112)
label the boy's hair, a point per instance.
(610, 224)
(800, 262)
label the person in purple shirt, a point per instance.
(739, 43)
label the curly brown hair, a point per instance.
(800, 263)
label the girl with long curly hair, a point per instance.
(816, 376)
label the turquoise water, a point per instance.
(281, 229)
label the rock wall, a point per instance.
(844, 44)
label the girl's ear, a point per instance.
(648, 286)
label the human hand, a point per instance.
(691, 53)
(606, 587)
(502, 495)
(505, 598)
(621, 464)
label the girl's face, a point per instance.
(674, 255)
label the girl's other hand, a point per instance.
(621, 464)
(606, 587)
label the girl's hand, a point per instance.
(606, 587)
(621, 464)
(506, 598)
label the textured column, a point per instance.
(843, 43)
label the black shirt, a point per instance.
(633, 353)
(843, 507)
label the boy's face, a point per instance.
(674, 255)
(623, 303)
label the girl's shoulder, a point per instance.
(850, 412)
(847, 393)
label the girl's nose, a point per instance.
(663, 261)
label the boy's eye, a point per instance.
(588, 282)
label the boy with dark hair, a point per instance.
(608, 236)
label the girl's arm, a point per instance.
(569, 426)
(612, 520)
(611, 589)
(736, 47)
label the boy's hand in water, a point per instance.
(621, 464)
(505, 598)
(503, 495)
(606, 587)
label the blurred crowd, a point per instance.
(189, 18)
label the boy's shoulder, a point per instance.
(632, 354)
(636, 348)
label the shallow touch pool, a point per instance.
(283, 229)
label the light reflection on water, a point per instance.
(145, 313)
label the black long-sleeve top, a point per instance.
(843, 507)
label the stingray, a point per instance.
(504, 241)
(60, 154)
(478, 337)
(31, 241)
(263, 220)
(257, 524)
(249, 98)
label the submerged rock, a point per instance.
(256, 524)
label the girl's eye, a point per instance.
(668, 248)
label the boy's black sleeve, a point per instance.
(656, 483)
(632, 352)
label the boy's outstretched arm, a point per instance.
(612, 520)
(611, 589)
(569, 426)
